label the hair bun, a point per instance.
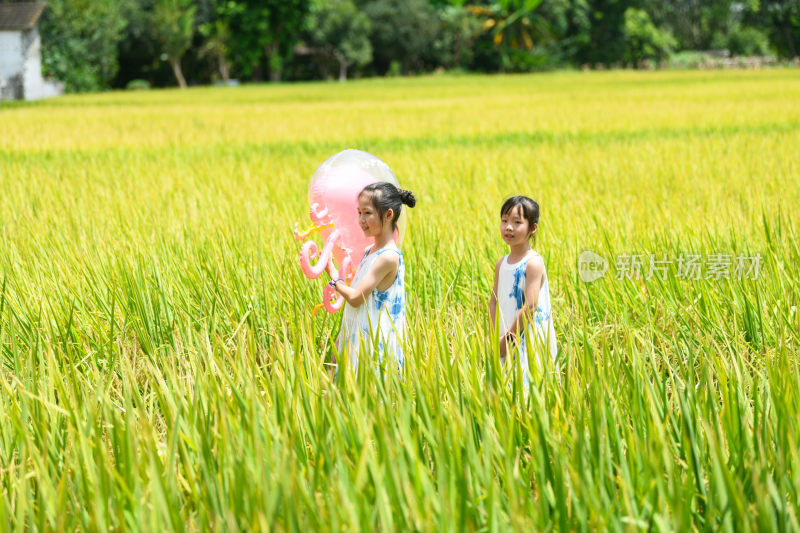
(407, 197)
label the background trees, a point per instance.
(98, 44)
(79, 42)
(172, 23)
(339, 31)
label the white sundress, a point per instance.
(511, 298)
(380, 319)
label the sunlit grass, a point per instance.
(161, 370)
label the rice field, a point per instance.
(161, 370)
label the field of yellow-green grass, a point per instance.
(161, 369)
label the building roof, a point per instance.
(20, 15)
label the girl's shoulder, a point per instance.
(531, 261)
(392, 257)
(504, 261)
(382, 258)
(533, 255)
(535, 269)
(534, 259)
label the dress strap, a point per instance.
(514, 266)
(379, 252)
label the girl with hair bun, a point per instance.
(374, 312)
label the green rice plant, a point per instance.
(160, 368)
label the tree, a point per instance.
(79, 42)
(695, 24)
(742, 41)
(601, 26)
(338, 30)
(138, 54)
(644, 40)
(516, 29)
(265, 29)
(453, 43)
(218, 35)
(286, 20)
(172, 24)
(781, 19)
(402, 31)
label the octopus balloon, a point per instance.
(333, 200)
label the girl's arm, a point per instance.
(384, 265)
(534, 272)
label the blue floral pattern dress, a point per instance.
(511, 298)
(379, 322)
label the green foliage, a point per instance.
(453, 44)
(264, 33)
(781, 21)
(249, 25)
(137, 85)
(172, 27)
(644, 40)
(286, 22)
(689, 59)
(402, 30)
(516, 30)
(693, 24)
(79, 42)
(256, 39)
(742, 41)
(218, 37)
(598, 27)
(340, 30)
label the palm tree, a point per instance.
(515, 27)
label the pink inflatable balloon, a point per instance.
(333, 209)
(309, 251)
(338, 191)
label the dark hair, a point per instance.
(386, 196)
(530, 209)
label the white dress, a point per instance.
(511, 298)
(379, 322)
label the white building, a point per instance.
(21, 54)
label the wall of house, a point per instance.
(12, 63)
(21, 67)
(34, 85)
